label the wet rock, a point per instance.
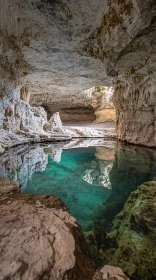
(40, 239)
(135, 234)
(110, 273)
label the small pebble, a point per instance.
(9, 202)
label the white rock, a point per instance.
(55, 121)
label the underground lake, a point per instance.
(94, 182)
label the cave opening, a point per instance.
(78, 164)
(94, 106)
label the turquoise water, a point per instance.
(93, 182)
(67, 180)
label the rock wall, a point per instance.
(94, 104)
(126, 41)
(16, 115)
(55, 49)
(21, 123)
(134, 234)
(136, 111)
(72, 108)
(41, 240)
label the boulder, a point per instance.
(110, 273)
(134, 234)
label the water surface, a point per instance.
(94, 182)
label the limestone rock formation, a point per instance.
(1, 149)
(18, 115)
(22, 123)
(90, 131)
(110, 273)
(54, 49)
(105, 115)
(94, 104)
(43, 235)
(126, 39)
(135, 234)
(103, 105)
(38, 238)
(54, 123)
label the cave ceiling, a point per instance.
(66, 46)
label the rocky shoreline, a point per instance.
(41, 240)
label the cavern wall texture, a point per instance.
(92, 105)
(59, 48)
(126, 41)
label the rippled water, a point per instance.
(94, 182)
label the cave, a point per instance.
(77, 139)
(94, 105)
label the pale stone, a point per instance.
(1, 149)
(110, 273)
(36, 239)
(60, 48)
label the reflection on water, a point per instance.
(94, 182)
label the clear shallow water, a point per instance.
(77, 180)
(94, 182)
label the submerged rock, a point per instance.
(135, 235)
(110, 273)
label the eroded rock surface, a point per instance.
(40, 232)
(135, 234)
(91, 131)
(22, 123)
(94, 104)
(110, 273)
(54, 49)
(16, 115)
(126, 39)
(38, 238)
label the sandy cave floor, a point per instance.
(108, 124)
